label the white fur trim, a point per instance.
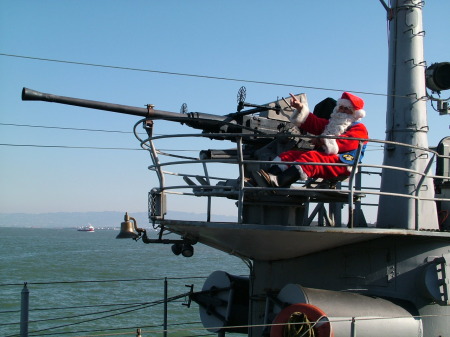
(330, 146)
(359, 114)
(298, 118)
(345, 102)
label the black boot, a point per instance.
(288, 177)
(275, 170)
(263, 178)
(285, 179)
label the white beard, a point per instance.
(339, 122)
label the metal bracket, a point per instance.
(188, 299)
(437, 279)
(156, 204)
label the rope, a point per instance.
(298, 325)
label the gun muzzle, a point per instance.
(32, 95)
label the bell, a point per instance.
(127, 229)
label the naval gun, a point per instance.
(272, 120)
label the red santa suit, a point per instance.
(329, 150)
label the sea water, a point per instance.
(90, 284)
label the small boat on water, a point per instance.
(88, 228)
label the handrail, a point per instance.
(320, 164)
(240, 189)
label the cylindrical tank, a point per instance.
(352, 314)
(223, 302)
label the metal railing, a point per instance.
(76, 319)
(174, 165)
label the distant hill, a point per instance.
(97, 219)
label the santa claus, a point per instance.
(343, 122)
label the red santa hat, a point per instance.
(357, 104)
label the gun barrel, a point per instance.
(33, 95)
(208, 123)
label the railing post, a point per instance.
(419, 186)
(352, 177)
(353, 327)
(165, 307)
(208, 211)
(241, 180)
(24, 309)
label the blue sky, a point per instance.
(321, 44)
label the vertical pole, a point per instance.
(241, 179)
(351, 201)
(320, 219)
(406, 122)
(138, 333)
(24, 308)
(165, 307)
(353, 327)
(208, 212)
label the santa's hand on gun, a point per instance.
(317, 142)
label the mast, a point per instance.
(406, 122)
